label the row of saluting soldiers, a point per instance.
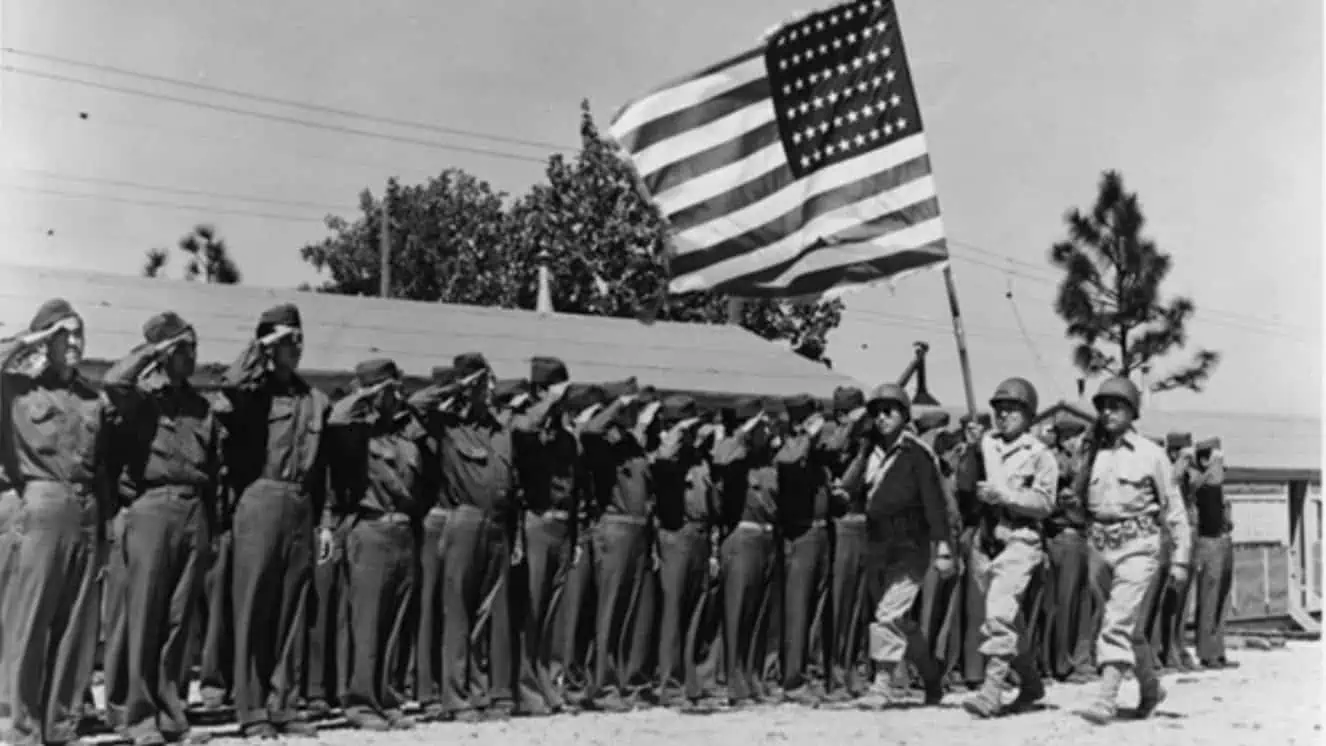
(558, 547)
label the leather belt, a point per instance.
(756, 526)
(378, 516)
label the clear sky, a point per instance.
(1212, 111)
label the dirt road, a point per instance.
(1270, 700)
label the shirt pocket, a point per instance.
(47, 422)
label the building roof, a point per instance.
(1255, 446)
(342, 330)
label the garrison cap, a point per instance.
(932, 419)
(444, 375)
(1178, 440)
(580, 398)
(375, 371)
(1209, 444)
(547, 371)
(469, 363)
(508, 389)
(1069, 428)
(286, 314)
(800, 407)
(847, 399)
(164, 326)
(648, 395)
(678, 407)
(51, 313)
(747, 407)
(617, 389)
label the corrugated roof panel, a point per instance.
(341, 331)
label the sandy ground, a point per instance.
(1273, 698)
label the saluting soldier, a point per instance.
(908, 530)
(383, 480)
(10, 505)
(804, 518)
(1171, 614)
(616, 448)
(53, 445)
(1070, 608)
(687, 513)
(1214, 552)
(1021, 479)
(170, 441)
(477, 467)
(428, 647)
(547, 452)
(1133, 503)
(274, 422)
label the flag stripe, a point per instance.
(688, 93)
(695, 117)
(833, 217)
(823, 282)
(675, 180)
(742, 213)
(904, 236)
(695, 141)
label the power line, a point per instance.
(274, 117)
(169, 205)
(291, 103)
(180, 190)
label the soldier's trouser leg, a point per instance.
(806, 562)
(702, 648)
(1068, 560)
(503, 652)
(848, 601)
(379, 564)
(897, 570)
(52, 610)
(573, 617)
(683, 562)
(1008, 580)
(323, 672)
(640, 635)
(1173, 620)
(272, 571)
(747, 556)
(10, 504)
(217, 667)
(428, 648)
(465, 555)
(546, 551)
(115, 626)
(1124, 577)
(1211, 570)
(978, 574)
(165, 546)
(619, 555)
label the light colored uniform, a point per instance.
(1028, 473)
(1135, 507)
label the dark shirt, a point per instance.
(52, 428)
(378, 467)
(546, 456)
(909, 487)
(1069, 511)
(803, 479)
(619, 465)
(748, 484)
(683, 487)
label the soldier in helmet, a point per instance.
(1021, 479)
(896, 478)
(1132, 501)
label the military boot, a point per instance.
(986, 702)
(1031, 688)
(1105, 707)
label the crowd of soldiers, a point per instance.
(488, 549)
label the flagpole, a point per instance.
(960, 336)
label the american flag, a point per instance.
(795, 169)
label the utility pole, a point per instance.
(385, 246)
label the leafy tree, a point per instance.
(208, 258)
(1110, 295)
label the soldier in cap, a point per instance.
(53, 444)
(10, 506)
(1021, 479)
(428, 646)
(1213, 554)
(168, 443)
(274, 422)
(383, 481)
(475, 454)
(839, 441)
(804, 482)
(616, 443)
(1132, 502)
(688, 519)
(1171, 613)
(743, 463)
(908, 531)
(1068, 630)
(547, 453)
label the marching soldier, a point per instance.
(1021, 479)
(53, 446)
(748, 481)
(908, 531)
(1068, 631)
(616, 448)
(1133, 502)
(274, 421)
(383, 482)
(170, 442)
(547, 452)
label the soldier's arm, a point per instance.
(932, 499)
(1035, 500)
(241, 382)
(854, 479)
(535, 417)
(121, 380)
(598, 425)
(1173, 511)
(344, 457)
